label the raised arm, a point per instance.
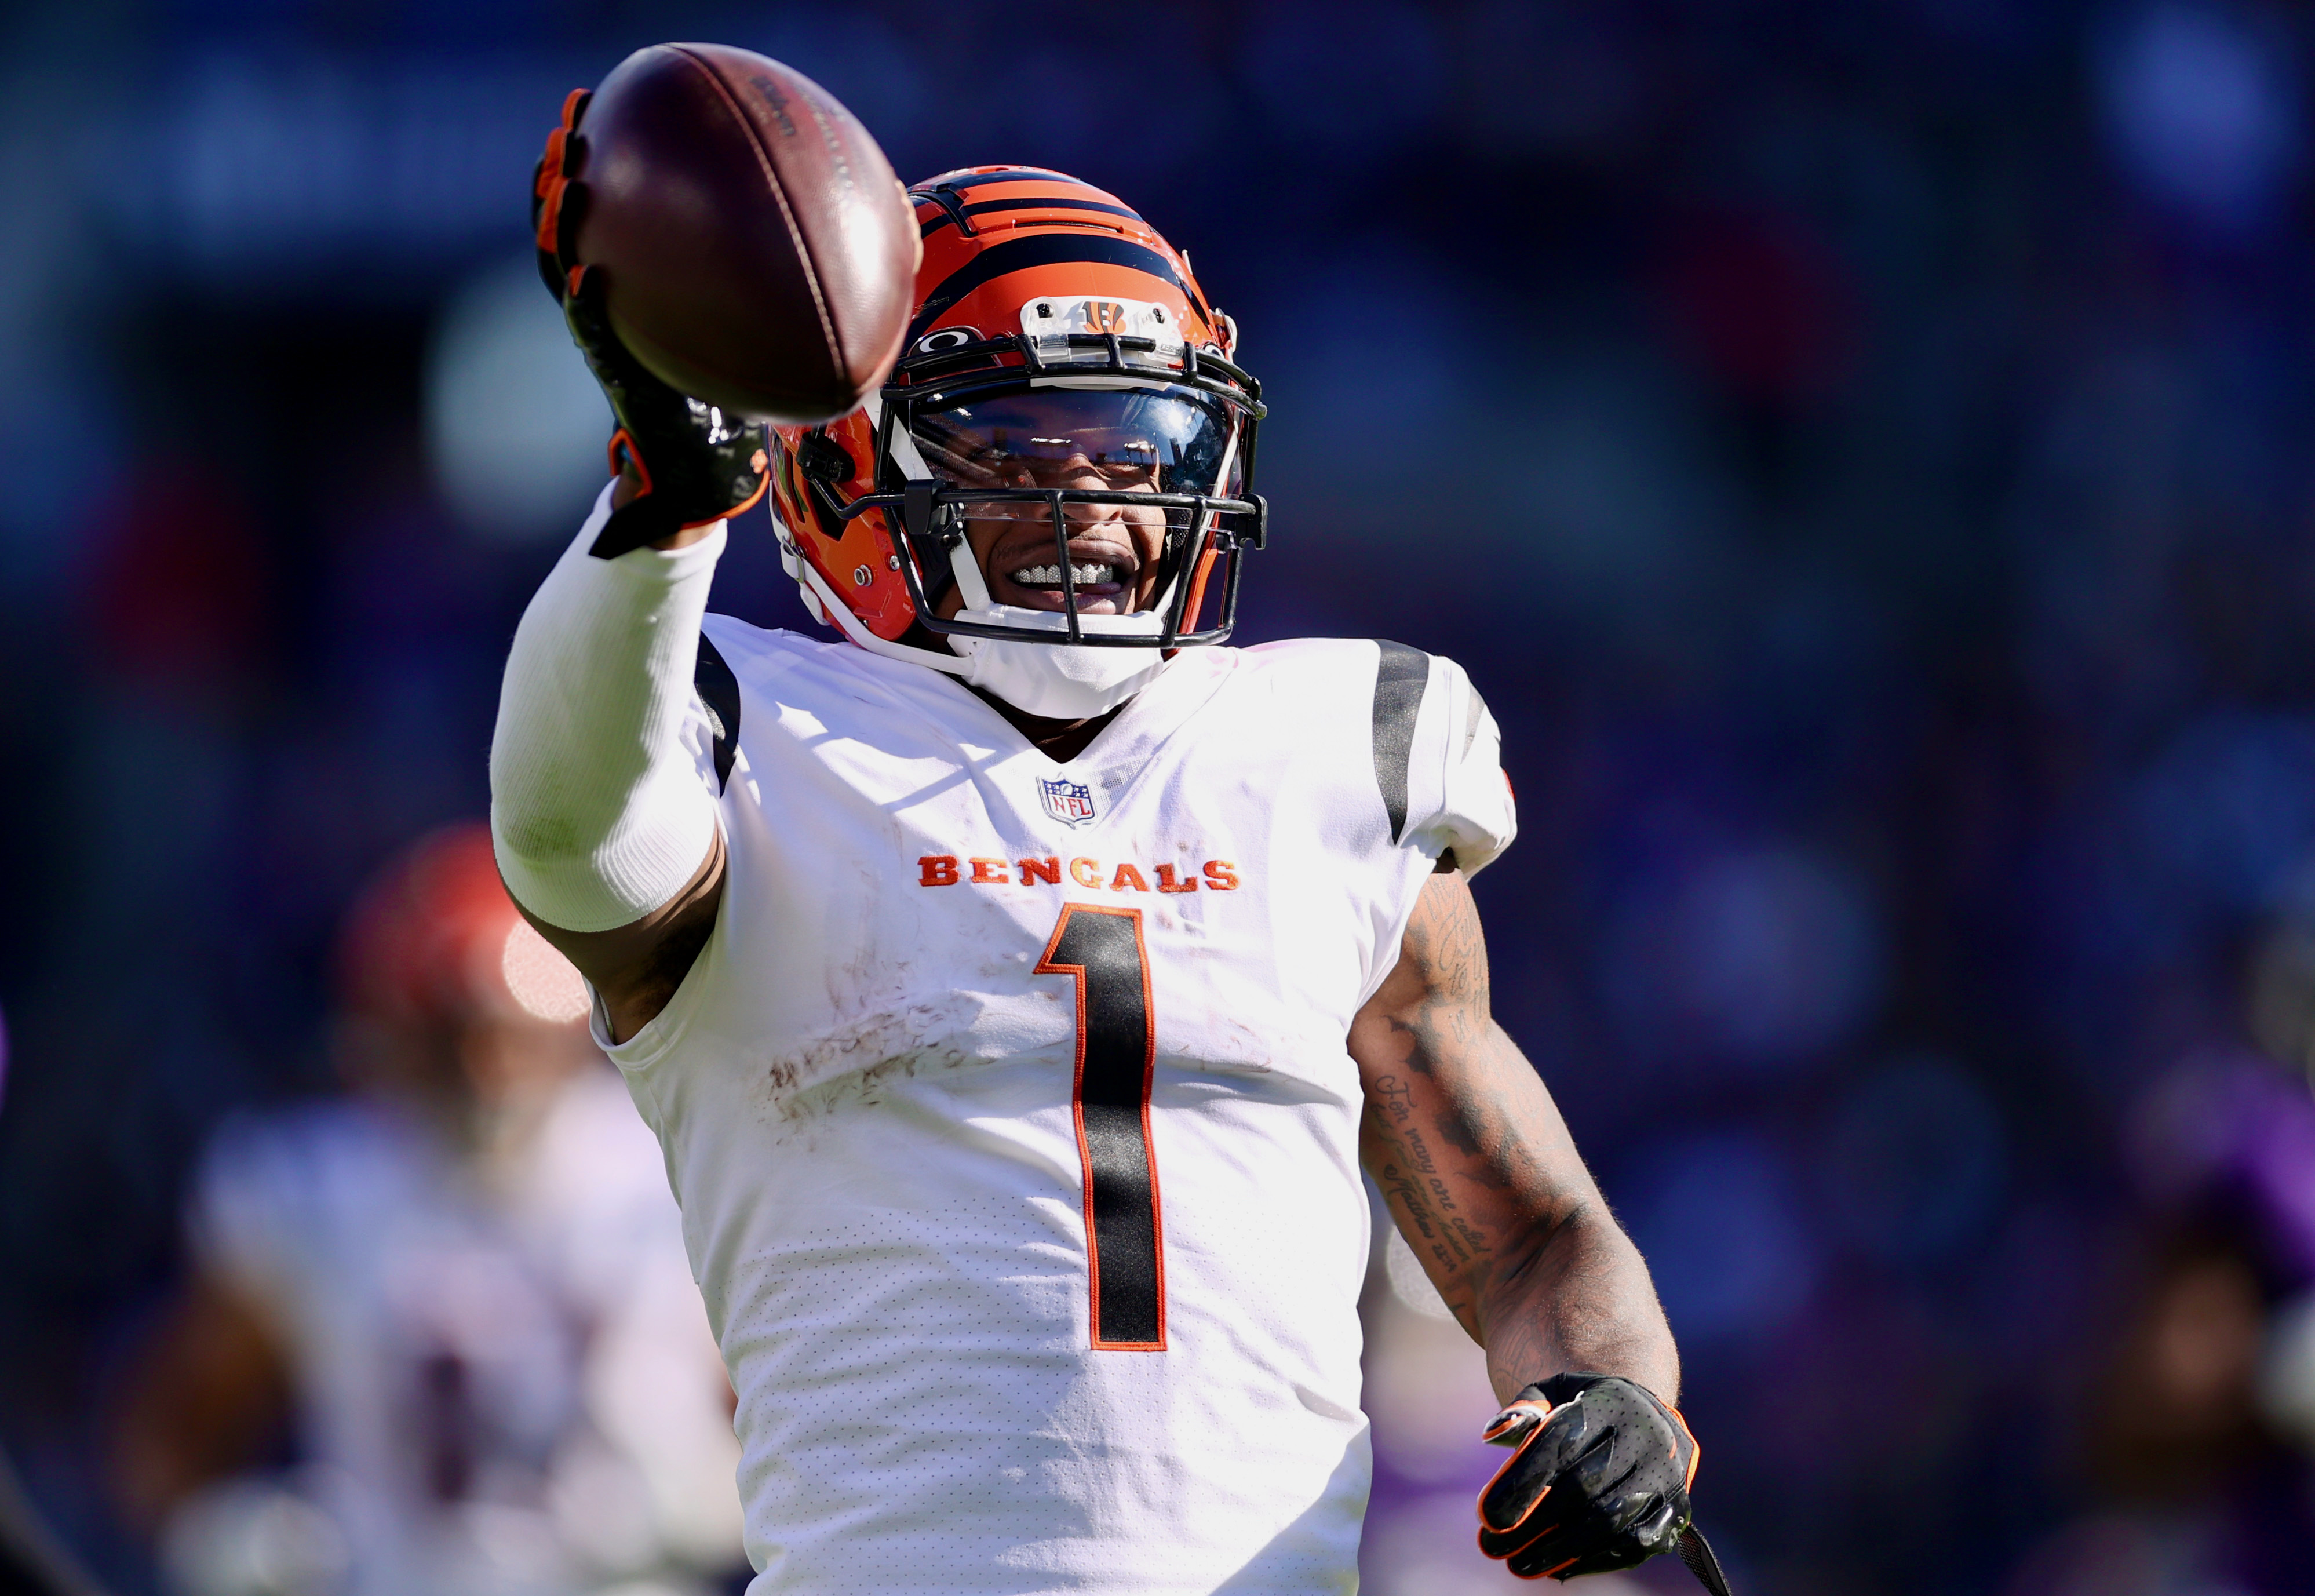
(606, 833)
(1483, 1178)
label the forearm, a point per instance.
(1579, 1302)
(596, 805)
(1539, 1275)
(1479, 1171)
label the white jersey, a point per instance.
(1011, 1116)
(505, 1386)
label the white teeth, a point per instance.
(1050, 576)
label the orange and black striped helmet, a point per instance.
(1062, 366)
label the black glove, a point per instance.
(696, 464)
(1599, 1480)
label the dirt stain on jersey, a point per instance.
(848, 1066)
(861, 1089)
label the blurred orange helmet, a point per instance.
(1049, 317)
(433, 939)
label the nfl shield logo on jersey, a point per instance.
(1068, 802)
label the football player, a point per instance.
(464, 1284)
(1019, 981)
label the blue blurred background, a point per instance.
(1859, 446)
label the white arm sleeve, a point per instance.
(597, 804)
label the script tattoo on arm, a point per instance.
(1483, 1178)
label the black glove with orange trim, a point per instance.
(1598, 1480)
(695, 463)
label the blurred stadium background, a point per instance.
(1860, 448)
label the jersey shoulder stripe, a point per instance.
(1431, 760)
(1401, 676)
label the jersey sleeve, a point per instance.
(1438, 759)
(1476, 815)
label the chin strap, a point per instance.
(971, 585)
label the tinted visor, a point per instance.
(1142, 439)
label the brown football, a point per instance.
(756, 251)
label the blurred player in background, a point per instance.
(463, 1286)
(2201, 1432)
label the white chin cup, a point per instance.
(1054, 680)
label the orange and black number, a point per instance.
(1117, 1046)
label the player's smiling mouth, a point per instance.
(1104, 579)
(1050, 576)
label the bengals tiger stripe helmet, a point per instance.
(1055, 333)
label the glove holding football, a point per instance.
(696, 464)
(1598, 1479)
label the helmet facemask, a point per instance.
(1092, 439)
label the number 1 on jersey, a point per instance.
(1117, 1049)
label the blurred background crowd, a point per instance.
(1859, 446)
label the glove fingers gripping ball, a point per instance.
(693, 462)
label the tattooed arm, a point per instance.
(1482, 1177)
